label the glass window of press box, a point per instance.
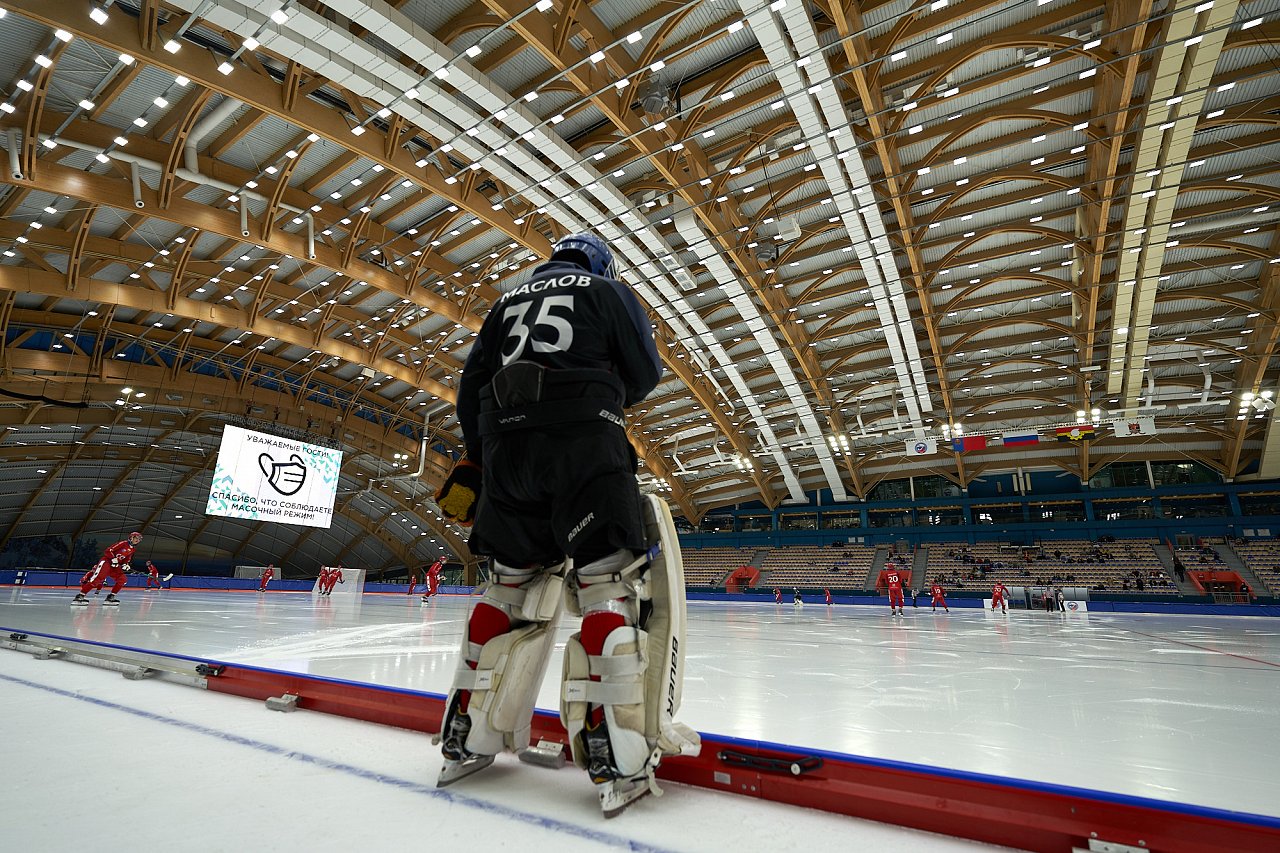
(1195, 506)
(1265, 503)
(837, 520)
(1121, 509)
(1050, 511)
(798, 521)
(940, 515)
(750, 523)
(1182, 473)
(935, 487)
(889, 517)
(891, 490)
(716, 524)
(1121, 475)
(997, 514)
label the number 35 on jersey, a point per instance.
(554, 314)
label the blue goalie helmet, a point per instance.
(588, 251)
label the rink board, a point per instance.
(1010, 812)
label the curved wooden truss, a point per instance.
(352, 291)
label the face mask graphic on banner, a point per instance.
(285, 477)
(270, 478)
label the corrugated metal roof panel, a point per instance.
(434, 14)
(269, 137)
(22, 39)
(138, 99)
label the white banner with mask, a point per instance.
(268, 478)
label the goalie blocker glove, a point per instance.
(461, 492)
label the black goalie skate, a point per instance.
(616, 791)
(458, 762)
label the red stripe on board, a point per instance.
(1019, 816)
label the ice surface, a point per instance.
(1176, 708)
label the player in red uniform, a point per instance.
(84, 579)
(433, 578)
(939, 596)
(153, 576)
(827, 594)
(777, 595)
(329, 578)
(895, 592)
(267, 574)
(112, 566)
(998, 594)
(413, 580)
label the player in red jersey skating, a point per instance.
(153, 576)
(894, 580)
(777, 595)
(112, 566)
(999, 593)
(329, 578)
(939, 596)
(267, 574)
(433, 578)
(827, 594)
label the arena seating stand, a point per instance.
(708, 566)
(1110, 565)
(817, 566)
(1263, 559)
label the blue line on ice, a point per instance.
(359, 772)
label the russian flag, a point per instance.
(968, 442)
(1013, 439)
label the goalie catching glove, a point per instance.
(461, 492)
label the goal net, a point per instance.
(352, 583)
(255, 573)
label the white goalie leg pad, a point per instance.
(665, 624)
(641, 666)
(621, 667)
(510, 667)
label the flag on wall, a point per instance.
(1014, 439)
(1079, 432)
(922, 447)
(960, 444)
(1135, 426)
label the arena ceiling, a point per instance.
(855, 226)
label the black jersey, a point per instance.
(563, 318)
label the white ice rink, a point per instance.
(1175, 708)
